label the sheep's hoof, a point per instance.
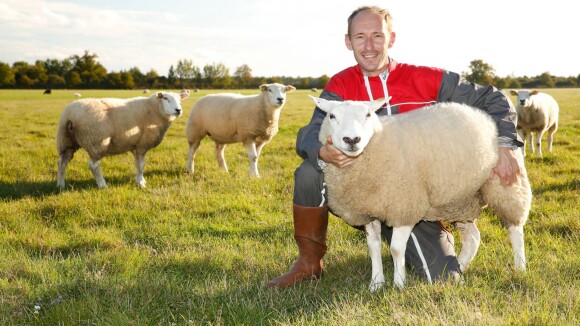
(399, 284)
(376, 286)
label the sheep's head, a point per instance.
(170, 102)
(276, 93)
(524, 97)
(351, 124)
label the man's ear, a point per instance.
(347, 42)
(392, 39)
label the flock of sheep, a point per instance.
(110, 126)
(418, 171)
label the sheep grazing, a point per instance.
(112, 126)
(77, 94)
(232, 118)
(429, 164)
(537, 113)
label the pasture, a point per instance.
(198, 249)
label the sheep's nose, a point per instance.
(351, 141)
(522, 101)
(280, 100)
(178, 111)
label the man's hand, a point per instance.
(330, 154)
(507, 168)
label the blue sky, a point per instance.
(291, 38)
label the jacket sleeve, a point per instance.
(455, 88)
(307, 143)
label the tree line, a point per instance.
(85, 72)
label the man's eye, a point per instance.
(331, 116)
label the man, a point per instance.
(430, 249)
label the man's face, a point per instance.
(370, 41)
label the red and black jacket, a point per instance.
(409, 87)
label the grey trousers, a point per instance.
(430, 250)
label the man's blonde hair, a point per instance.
(375, 9)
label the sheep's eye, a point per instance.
(331, 116)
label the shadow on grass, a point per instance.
(567, 185)
(19, 190)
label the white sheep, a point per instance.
(113, 126)
(77, 95)
(537, 113)
(232, 118)
(429, 164)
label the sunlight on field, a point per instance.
(198, 249)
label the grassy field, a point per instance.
(198, 250)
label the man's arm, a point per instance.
(307, 143)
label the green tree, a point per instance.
(187, 73)
(243, 76)
(171, 76)
(480, 73)
(151, 78)
(6, 76)
(91, 72)
(138, 77)
(217, 75)
(73, 79)
(546, 80)
(322, 81)
(28, 76)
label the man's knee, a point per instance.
(308, 186)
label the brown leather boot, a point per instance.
(310, 225)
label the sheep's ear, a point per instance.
(534, 92)
(513, 92)
(159, 95)
(375, 105)
(290, 88)
(263, 88)
(323, 104)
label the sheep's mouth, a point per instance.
(352, 151)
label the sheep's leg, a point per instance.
(259, 147)
(140, 164)
(399, 240)
(219, 156)
(539, 135)
(470, 240)
(63, 160)
(516, 235)
(551, 132)
(253, 157)
(523, 136)
(374, 242)
(531, 141)
(193, 146)
(95, 166)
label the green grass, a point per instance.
(198, 250)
